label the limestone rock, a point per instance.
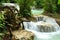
(11, 4)
(23, 35)
(46, 27)
(58, 21)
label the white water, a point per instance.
(50, 31)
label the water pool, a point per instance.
(37, 12)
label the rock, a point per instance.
(24, 19)
(44, 18)
(46, 27)
(57, 20)
(11, 4)
(23, 35)
(38, 17)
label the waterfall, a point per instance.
(44, 28)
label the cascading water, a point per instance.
(45, 28)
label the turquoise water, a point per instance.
(37, 12)
(56, 37)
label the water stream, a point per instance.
(44, 28)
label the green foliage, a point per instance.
(29, 2)
(25, 10)
(50, 6)
(2, 24)
(47, 5)
(4, 1)
(58, 1)
(39, 3)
